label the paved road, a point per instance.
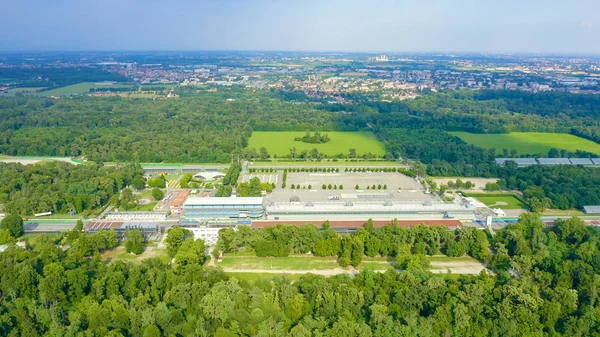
(106, 210)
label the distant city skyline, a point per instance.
(386, 26)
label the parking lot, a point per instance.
(271, 178)
(399, 188)
(393, 180)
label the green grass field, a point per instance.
(80, 88)
(529, 142)
(147, 207)
(279, 263)
(500, 200)
(280, 143)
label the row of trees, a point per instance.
(369, 241)
(329, 187)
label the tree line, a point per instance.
(388, 240)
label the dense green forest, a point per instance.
(51, 77)
(205, 128)
(546, 284)
(61, 187)
(480, 111)
(564, 186)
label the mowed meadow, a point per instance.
(280, 143)
(529, 142)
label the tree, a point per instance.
(329, 186)
(341, 187)
(324, 187)
(157, 194)
(358, 251)
(356, 187)
(5, 236)
(135, 242)
(14, 223)
(264, 154)
(158, 181)
(138, 183)
(191, 252)
(345, 258)
(352, 153)
(175, 237)
(314, 153)
(151, 330)
(79, 225)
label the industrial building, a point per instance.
(373, 209)
(223, 208)
(209, 175)
(350, 226)
(176, 205)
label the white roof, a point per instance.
(209, 175)
(223, 201)
(592, 209)
(404, 206)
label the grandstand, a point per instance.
(137, 215)
(223, 208)
(550, 161)
(591, 209)
(519, 161)
(150, 230)
(374, 209)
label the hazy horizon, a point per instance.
(538, 27)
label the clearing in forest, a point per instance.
(280, 142)
(529, 142)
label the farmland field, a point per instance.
(81, 88)
(500, 200)
(529, 142)
(280, 143)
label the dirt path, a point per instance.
(470, 268)
(324, 272)
(457, 267)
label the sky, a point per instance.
(489, 26)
